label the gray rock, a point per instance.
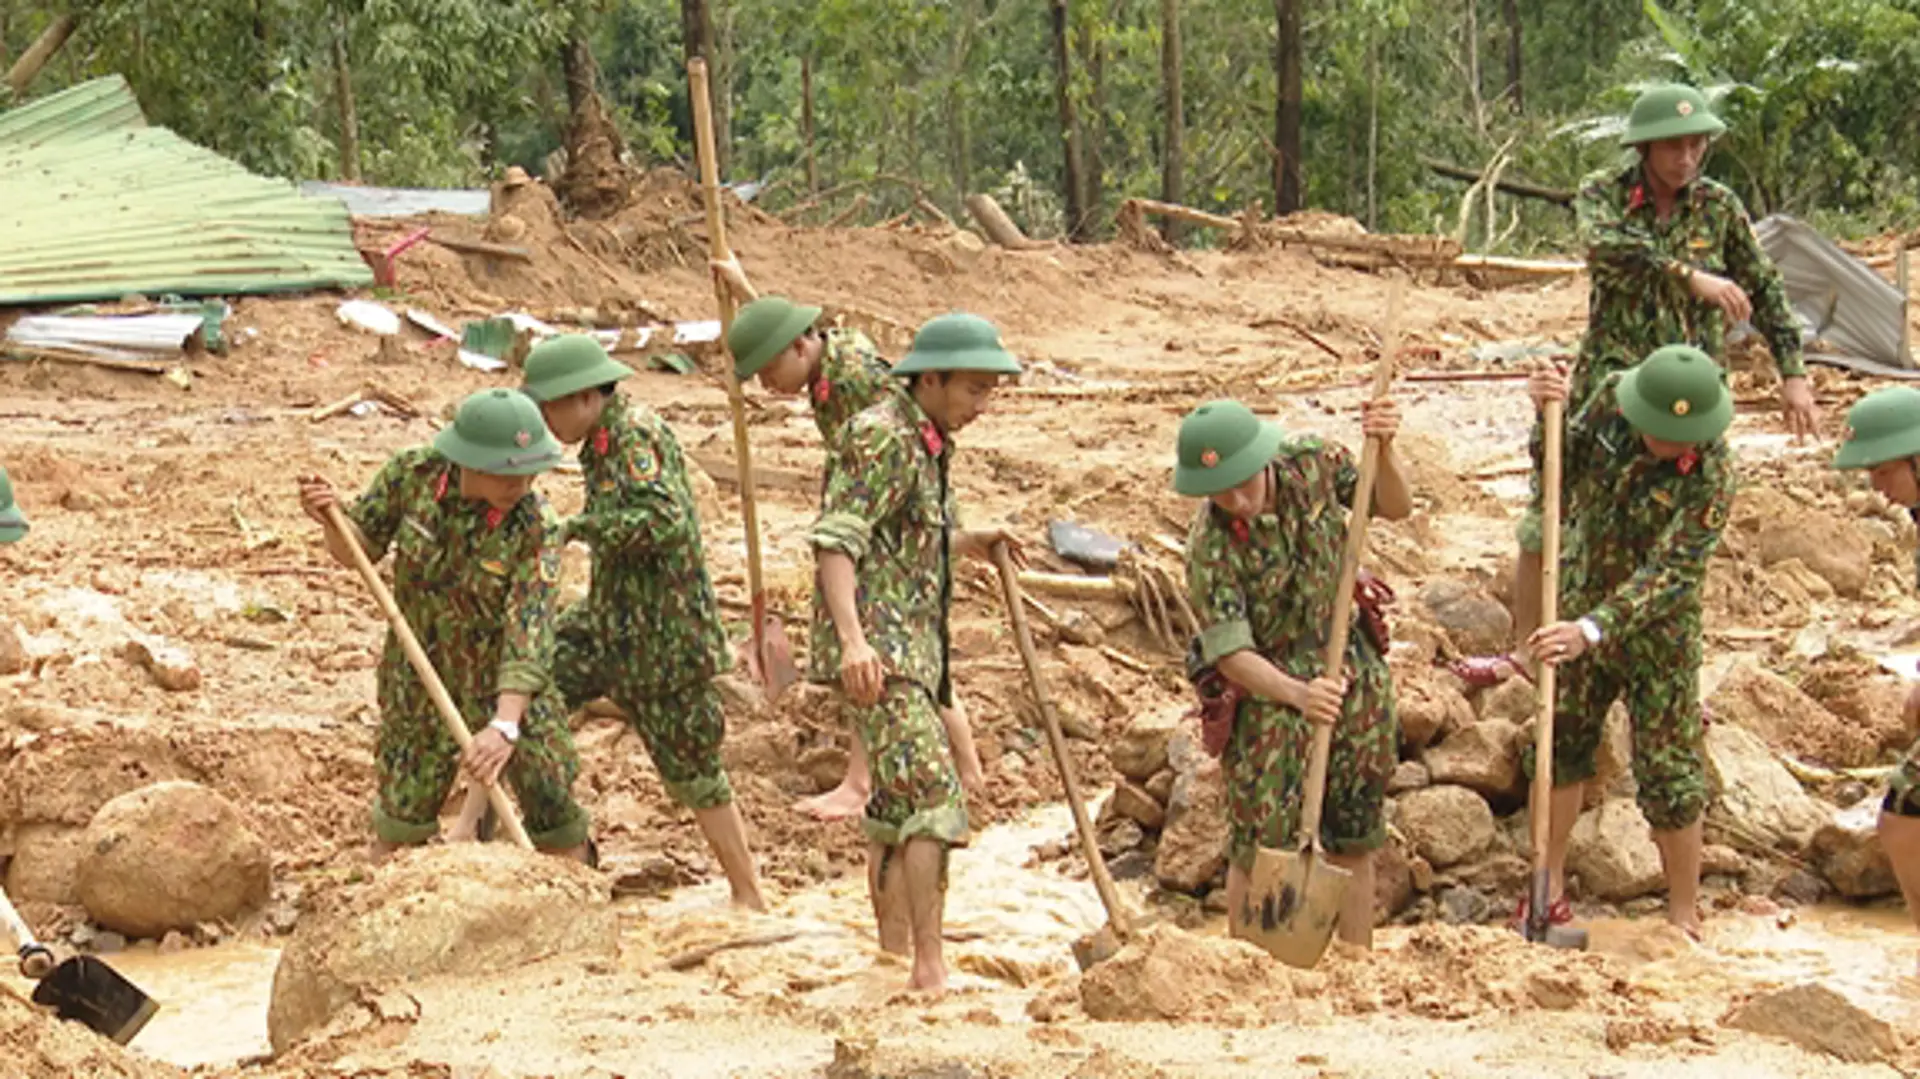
(1446, 824)
(1463, 906)
(1847, 852)
(1408, 776)
(1612, 852)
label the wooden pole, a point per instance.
(422, 666)
(21, 74)
(1546, 675)
(1057, 742)
(736, 401)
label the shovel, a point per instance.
(81, 988)
(1119, 927)
(1293, 897)
(1538, 926)
(422, 666)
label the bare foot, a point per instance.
(1688, 922)
(929, 979)
(841, 803)
(750, 900)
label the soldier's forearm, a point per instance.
(839, 588)
(337, 544)
(1252, 672)
(1392, 497)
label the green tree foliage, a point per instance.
(937, 99)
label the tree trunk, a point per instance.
(696, 34)
(1173, 149)
(959, 126)
(1073, 186)
(806, 123)
(349, 116)
(1514, 96)
(1287, 60)
(21, 74)
(1472, 35)
(1093, 52)
(1373, 130)
(576, 63)
(723, 72)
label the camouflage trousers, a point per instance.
(916, 787)
(416, 760)
(1661, 685)
(1265, 762)
(1903, 787)
(682, 728)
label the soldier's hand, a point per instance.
(316, 495)
(1324, 697)
(861, 674)
(729, 270)
(1380, 418)
(485, 756)
(1558, 643)
(1797, 401)
(1547, 382)
(1721, 293)
(981, 542)
(1911, 713)
(973, 778)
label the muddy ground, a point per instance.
(171, 512)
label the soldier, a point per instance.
(1648, 483)
(474, 573)
(1883, 437)
(648, 634)
(13, 523)
(1263, 561)
(842, 375)
(888, 527)
(1673, 259)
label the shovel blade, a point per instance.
(1292, 905)
(92, 993)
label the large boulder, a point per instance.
(45, 861)
(1818, 1020)
(1167, 975)
(1515, 700)
(1475, 622)
(1751, 696)
(1482, 757)
(1757, 802)
(1193, 844)
(1848, 853)
(1445, 824)
(1429, 707)
(1141, 750)
(463, 909)
(1612, 852)
(1834, 548)
(170, 856)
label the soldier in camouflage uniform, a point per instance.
(474, 572)
(1647, 485)
(842, 375)
(888, 526)
(648, 634)
(1263, 561)
(13, 523)
(1883, 437)
(1673, 260)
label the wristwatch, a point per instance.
(509, 731)
(1590, 630)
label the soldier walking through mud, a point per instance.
(648, 634)
(888, 528)
(1673, 260)
(1647, 485)
(1883, 437)
(842, 375)
(1263, 560)
(475, 573)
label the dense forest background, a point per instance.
(1061, 108)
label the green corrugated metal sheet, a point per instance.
(94, 205)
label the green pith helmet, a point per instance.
(1882, 426)
(568, 364)
(499, 432)
(763, 329)
(1222, 445)
(958, 342)
(1670, 112)
(13, 523)
(1677, 394)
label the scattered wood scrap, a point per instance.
(373, 392)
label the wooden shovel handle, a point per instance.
(736, 401)
(1546, 677)
(1089, 845)
(422, 666)
(1356, 544)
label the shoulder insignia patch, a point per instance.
(643, 466)
(1715, 517)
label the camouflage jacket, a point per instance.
(651, 591)
(853, 378)
(1638, 301)
(889, 507)
(476, 584)
(1638, 530)
(1267, 584)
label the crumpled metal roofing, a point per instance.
(95, 205)
(1851, 311)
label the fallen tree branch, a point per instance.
(480, 247)
(997, 225)
(59, 355)
(1512, 187)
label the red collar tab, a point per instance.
(1686, 462)
(440, 485)
(494, 516)
(602, 440)
(930, 435)
(1637, 197)
(822, 389)
(1242, 533)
